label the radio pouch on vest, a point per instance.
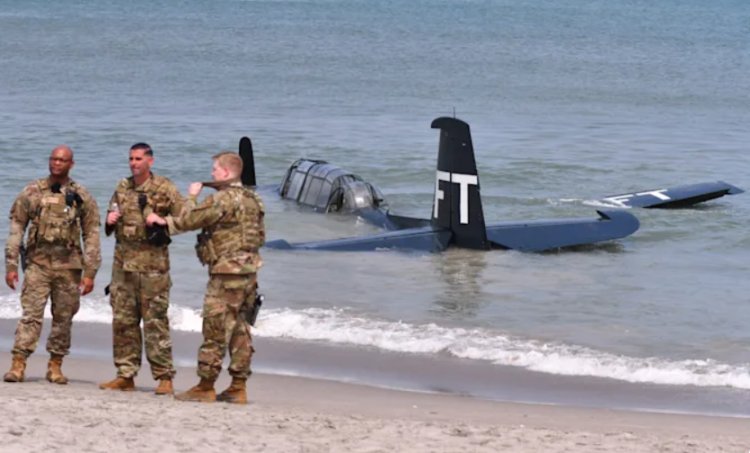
(157, 235)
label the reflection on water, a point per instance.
(460, 273)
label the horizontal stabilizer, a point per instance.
(398, 222)
(390, 222)
(425, 239)
(541, 235)
(673, 197)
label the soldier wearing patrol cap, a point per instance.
(232, 231)
(61, 216)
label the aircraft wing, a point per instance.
(673, 197)
(426, 239)
(541, 235)
(535, 236)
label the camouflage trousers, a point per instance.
(61, 286)
(136, 296)
(224, 326)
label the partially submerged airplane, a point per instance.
(327, 188)
(457, 217)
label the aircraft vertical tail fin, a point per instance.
(248, 162)
(457, 203)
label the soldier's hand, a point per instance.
(11, 278)
(155, 219)
(195, 189)
(86, 286)
(113, 217)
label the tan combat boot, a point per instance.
(236, 393)
(17, 367)
(54, 371)
(203, 392)
(164, 387)
(124, 384)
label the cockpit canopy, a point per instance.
(328, 188)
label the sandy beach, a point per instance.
(309, 415)
(635, 344)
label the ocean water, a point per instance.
(568, 102)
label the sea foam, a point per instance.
(344, 327)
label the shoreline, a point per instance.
(305, 414)
(423, 374)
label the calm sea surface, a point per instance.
(568, 102)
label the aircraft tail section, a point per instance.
(457, 204)
(248, 162)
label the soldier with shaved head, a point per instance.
(62, 257)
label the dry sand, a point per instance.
(307, 415)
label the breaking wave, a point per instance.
(343, 327)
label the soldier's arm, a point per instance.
(92, 255)
(261, 219)
(194, 216)
(262, 230)
(109, 229)
(178, 206)
(19, 219)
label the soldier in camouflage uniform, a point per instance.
(60, 214)
(232, 223)
(140, 274)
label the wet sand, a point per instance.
(425, 373)
(311, 415)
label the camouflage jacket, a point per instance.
(159, 195)
(57, 222)
(232, 229)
